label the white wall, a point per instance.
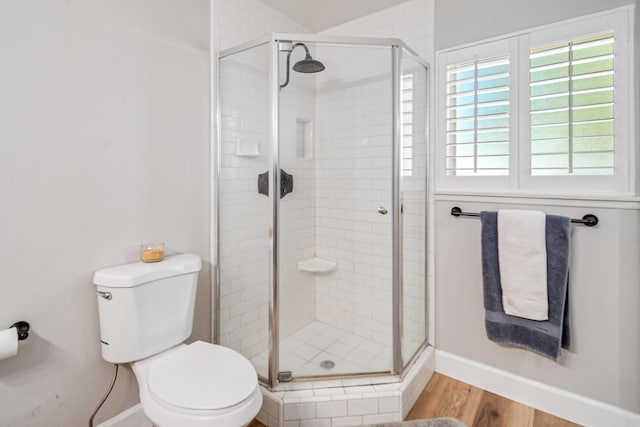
(104, 123)
(465, 21)
(604, 278)
(412, 21)
(603, 299)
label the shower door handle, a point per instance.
(382, 210)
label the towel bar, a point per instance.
(589, 219)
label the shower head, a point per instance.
(308, 65)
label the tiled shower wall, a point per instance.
(245, 215)
(414, 201)
(235, 22)
(297, 209)
(353, 121)
(353, 169)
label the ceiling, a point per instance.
(318, 15)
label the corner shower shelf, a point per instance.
(317, 265)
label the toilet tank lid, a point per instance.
(137, 273)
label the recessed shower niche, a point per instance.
(304, 139)
(329, 282)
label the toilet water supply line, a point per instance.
(104, 398)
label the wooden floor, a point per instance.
(446, 397)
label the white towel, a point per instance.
(522, 254)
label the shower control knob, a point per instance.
(382, 210)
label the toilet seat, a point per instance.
(202, 376)
(179, 389)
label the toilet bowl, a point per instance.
(198, 385)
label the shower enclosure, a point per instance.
(321, 205)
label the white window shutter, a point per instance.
(571, 103)
(477, 117)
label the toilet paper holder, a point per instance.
(23, 329)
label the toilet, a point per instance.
(146, 312)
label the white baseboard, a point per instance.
(561, 403)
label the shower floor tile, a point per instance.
(303, 352)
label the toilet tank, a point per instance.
(146, 308)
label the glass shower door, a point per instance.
(413, 190)
(244, 210)
(335, 227)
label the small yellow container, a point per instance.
(152, 252)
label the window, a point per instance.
(478, 117)
(571, 100)
(406, 99)
(543, 110)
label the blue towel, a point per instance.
(543, 337)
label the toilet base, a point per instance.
(132, 417)
(239, 416)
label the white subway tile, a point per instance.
(389, 404)
(380, 418)
(315, 423)
(298, 411)
(331, 409)
(362, 406)
(346, 421)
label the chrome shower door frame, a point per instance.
(274, 300)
